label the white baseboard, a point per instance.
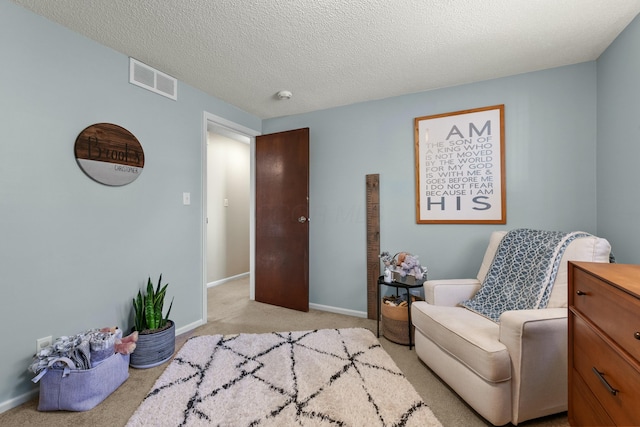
(226, 279)
(339, 310)
(320, 307)
(17, 401)
(190, 327)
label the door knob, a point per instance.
(302, 219)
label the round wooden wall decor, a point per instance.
(109, 154)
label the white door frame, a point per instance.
(220, 122)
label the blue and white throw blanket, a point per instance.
(522, 273)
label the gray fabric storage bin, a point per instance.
(82, 389)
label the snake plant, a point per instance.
(148, 308)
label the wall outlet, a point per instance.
(43, 342)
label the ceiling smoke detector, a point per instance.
(284, 94)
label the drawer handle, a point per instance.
(581, 293)
(636, 335)
(600, 376)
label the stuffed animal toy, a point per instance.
(124, 345)
(411, 266)
(127, 344)
(401, 257)
(113, 330)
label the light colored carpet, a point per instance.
(325, 377)
(231, 312)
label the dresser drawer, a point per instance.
(585, 408)
(592, 352)
(614, 311)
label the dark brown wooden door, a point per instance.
(282, 228)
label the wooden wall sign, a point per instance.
(109, 154)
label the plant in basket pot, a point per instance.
(156, 333)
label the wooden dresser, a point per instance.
(604, 344)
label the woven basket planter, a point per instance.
(155, 348)
(395, 323)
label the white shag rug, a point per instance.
(327, 377)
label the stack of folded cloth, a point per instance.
(85, 350)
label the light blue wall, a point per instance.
(550, 134)
(619, 144)
(74, 252)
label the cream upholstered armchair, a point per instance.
(511, 370)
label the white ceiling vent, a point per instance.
(149, 78)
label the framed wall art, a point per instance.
(459, 167)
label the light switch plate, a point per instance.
(186, 198)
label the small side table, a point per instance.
(397, 285)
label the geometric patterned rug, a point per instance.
(327, 377)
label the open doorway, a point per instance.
(228, 201)
(242, 135)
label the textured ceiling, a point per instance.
(339, 52)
